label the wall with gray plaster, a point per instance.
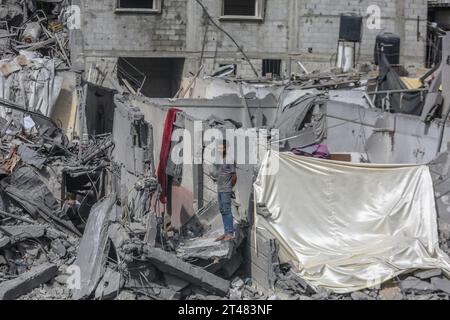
(291, 29)
(108, 33)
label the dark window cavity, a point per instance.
(239, 8)
(271, 66)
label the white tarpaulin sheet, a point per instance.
(350, 226)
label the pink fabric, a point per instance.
(322, 151)
(315, 151)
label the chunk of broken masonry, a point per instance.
(58, 248)
(417, 285)
(442, 284)
(361, 296)
(20, 233)
(391, 292)
(170, 263)
(26, 282)
(427, 274)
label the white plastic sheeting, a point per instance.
(350, 226)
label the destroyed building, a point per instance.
(172, 39)
(93, 204)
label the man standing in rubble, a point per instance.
(226, 181)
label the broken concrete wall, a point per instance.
(184, 202)
(223, 107)
(261, 259)
(92, 253)
(197, 185)
(184, 199)
(65, 111)
(97, 70)
(133, 152)
(211, 88)
(396, 139)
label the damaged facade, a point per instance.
(93, 206)
(178, 38)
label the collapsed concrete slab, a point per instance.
(205, 248)
(92, 253)
(20, 233)
(169, 263)
(10, 235)
(26, 282)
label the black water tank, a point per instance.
(389, 44)
(351, 28)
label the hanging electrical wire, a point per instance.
(205, 10)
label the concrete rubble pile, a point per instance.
(308, 109)
(90, 206)
(421, 285)
(41, 222)
(109, 230)
(87, 206)
(37, 230)
(80, 217)
(34, 44)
